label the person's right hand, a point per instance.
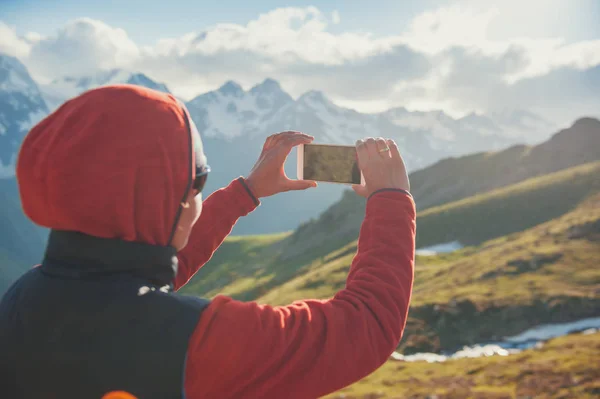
(268, 177)
(381, 168)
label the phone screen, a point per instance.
(331, 163)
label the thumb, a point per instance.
(300, 184)
(360, 190)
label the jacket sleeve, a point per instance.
(220, 212)
(313, 347)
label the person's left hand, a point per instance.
(268, 177)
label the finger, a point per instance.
(291, 134)
(276, 138)
(394, 150)
(294, 133)
(362, 153)
(295, 185)
(292, 141)
(283, 147)
(371, 145)
(382, 148)
(266, 145)
(269, 142)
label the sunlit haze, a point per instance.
(460, 56)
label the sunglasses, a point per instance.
(201, 177)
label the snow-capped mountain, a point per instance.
(234, 123)
(60, 90)
(21, 106)
(230, 113)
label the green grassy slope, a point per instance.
(282, 268)
(485, 273)
(506, 210)
(454, 179)
(546, 273)
(240, 268)
(562, 368)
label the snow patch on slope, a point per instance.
(229, 115)
(533, 337)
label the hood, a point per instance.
(114, 162)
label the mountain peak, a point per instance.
(313, 96)
(67, 87)
(231, 88)
(267, 86)
(14, 76)
(99, 78)
(270, 95)
(583, 134)
(586, 122)
(142, 80)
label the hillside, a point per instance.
(454, 179)
(471, 221)
(561, 368)
(508, 209)
(241, 268)
(501, 287)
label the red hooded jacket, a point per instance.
(115, 163)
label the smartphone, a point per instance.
(329, 163)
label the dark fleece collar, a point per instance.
(76, 255)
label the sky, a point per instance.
(461, 56)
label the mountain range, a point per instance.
(234, 123)
(455, 179)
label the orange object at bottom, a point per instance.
(118, 395)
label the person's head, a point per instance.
(115, 162)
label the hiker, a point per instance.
(117, 174)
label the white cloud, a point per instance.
(435, 31)
(81, 46)
(11, 44)
(456, 58)
(284, 36)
